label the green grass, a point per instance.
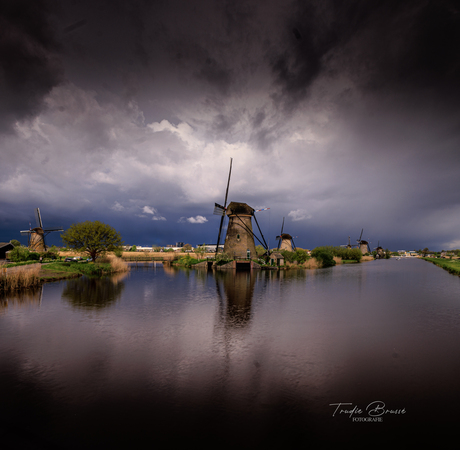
(59, 269)
(187, 261)
(451, 265)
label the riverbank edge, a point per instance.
(452, 266)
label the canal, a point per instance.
(363, 354)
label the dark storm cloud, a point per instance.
(427, 37)
(216, 74)
(74, 26)
(30, 67)
(381, 45)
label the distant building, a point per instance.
(179, 244)
(211, 248)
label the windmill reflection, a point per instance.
(94, 293)
(235, 290)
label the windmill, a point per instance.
(36, 236)
(363, 245)
(239, 241)
(347, 245)
(285, 241)
(379, 251)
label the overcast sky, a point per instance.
(339, 116)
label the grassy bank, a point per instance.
(103, 266)
(451, 265)
(22, 278)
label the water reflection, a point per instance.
(235, 291)
(251, 359)
(94, 293)
(22, 299)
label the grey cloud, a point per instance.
(381, 45)
(216, 74)
(30, 65)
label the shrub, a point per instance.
(49, 255)
(187, 261)
(118, 265)
(342, 252)
(299, 256)
(19, 254)
(223, 258)
(323, 256)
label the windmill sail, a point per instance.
(280, 236)
(224, 207)
(38, 218)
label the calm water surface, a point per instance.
(161, 356)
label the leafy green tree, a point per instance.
(260, 250)
(323, 256)
(301, 255)
(93, 238)
(15, 243)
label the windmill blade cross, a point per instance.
(38, 218)
(48, 230)
(219, 210)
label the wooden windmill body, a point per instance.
(37, 240)
(239, 240)
(285, 240)
(380, 253)
(363, 245)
